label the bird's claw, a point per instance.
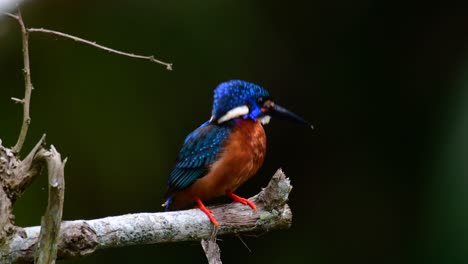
(242, 200)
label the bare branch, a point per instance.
(15, 176)
(27, 82)
(212, 251)
(83, 237)
(17, 100)
(25, 171)
(94, 44)
(11, 15)
(50, 227)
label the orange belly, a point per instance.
(239, 159)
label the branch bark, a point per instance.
(212, 251)
(28, 85)
(83, 237)
(84, 41)
(94, 44)
(50, 227)
(6, 227)
(25, 171)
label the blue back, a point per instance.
(199, 150)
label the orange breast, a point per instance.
(240, 158)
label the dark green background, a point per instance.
(382, 179)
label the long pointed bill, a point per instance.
(285, 114)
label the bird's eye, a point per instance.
(262, 100)
(265, 103)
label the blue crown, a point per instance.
(234, 93)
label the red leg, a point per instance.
(241, 200)
(207, 211)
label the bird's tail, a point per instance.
(167, 204)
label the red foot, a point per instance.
(241, 200)
(207, 211)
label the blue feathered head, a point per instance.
(235, 94)
(241, 99)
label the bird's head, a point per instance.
(241, 99)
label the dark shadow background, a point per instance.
(382, 179)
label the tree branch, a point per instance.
(6, 227)
(8, 168)
(50, 227)
(84, 41)
(83, 237)
(26, 171)
(94, 44)
(10, 15)
(212, 251)
(27, 82)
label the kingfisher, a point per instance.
(225, 151)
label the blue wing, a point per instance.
(199, 150)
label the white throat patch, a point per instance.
(265, 119)
(233, 113)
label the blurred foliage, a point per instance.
(382, 179)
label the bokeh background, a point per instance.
(382, 179)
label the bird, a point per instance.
(225, 151)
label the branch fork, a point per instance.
(15, 176)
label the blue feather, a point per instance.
(199, 150)
(168, 203)
(231, 94)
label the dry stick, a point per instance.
(24, 172)
(10, 15)
(50, 227)
(91, 43)
(212, 251)
(211, 248)
(94, 44)
(28, 84)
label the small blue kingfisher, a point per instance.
(227, 150)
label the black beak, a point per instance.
(285, 114)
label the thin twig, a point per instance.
(11, 15)
(94, 44)
(91, 43)
(27, 82)
(17, 100)
(245, 244)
